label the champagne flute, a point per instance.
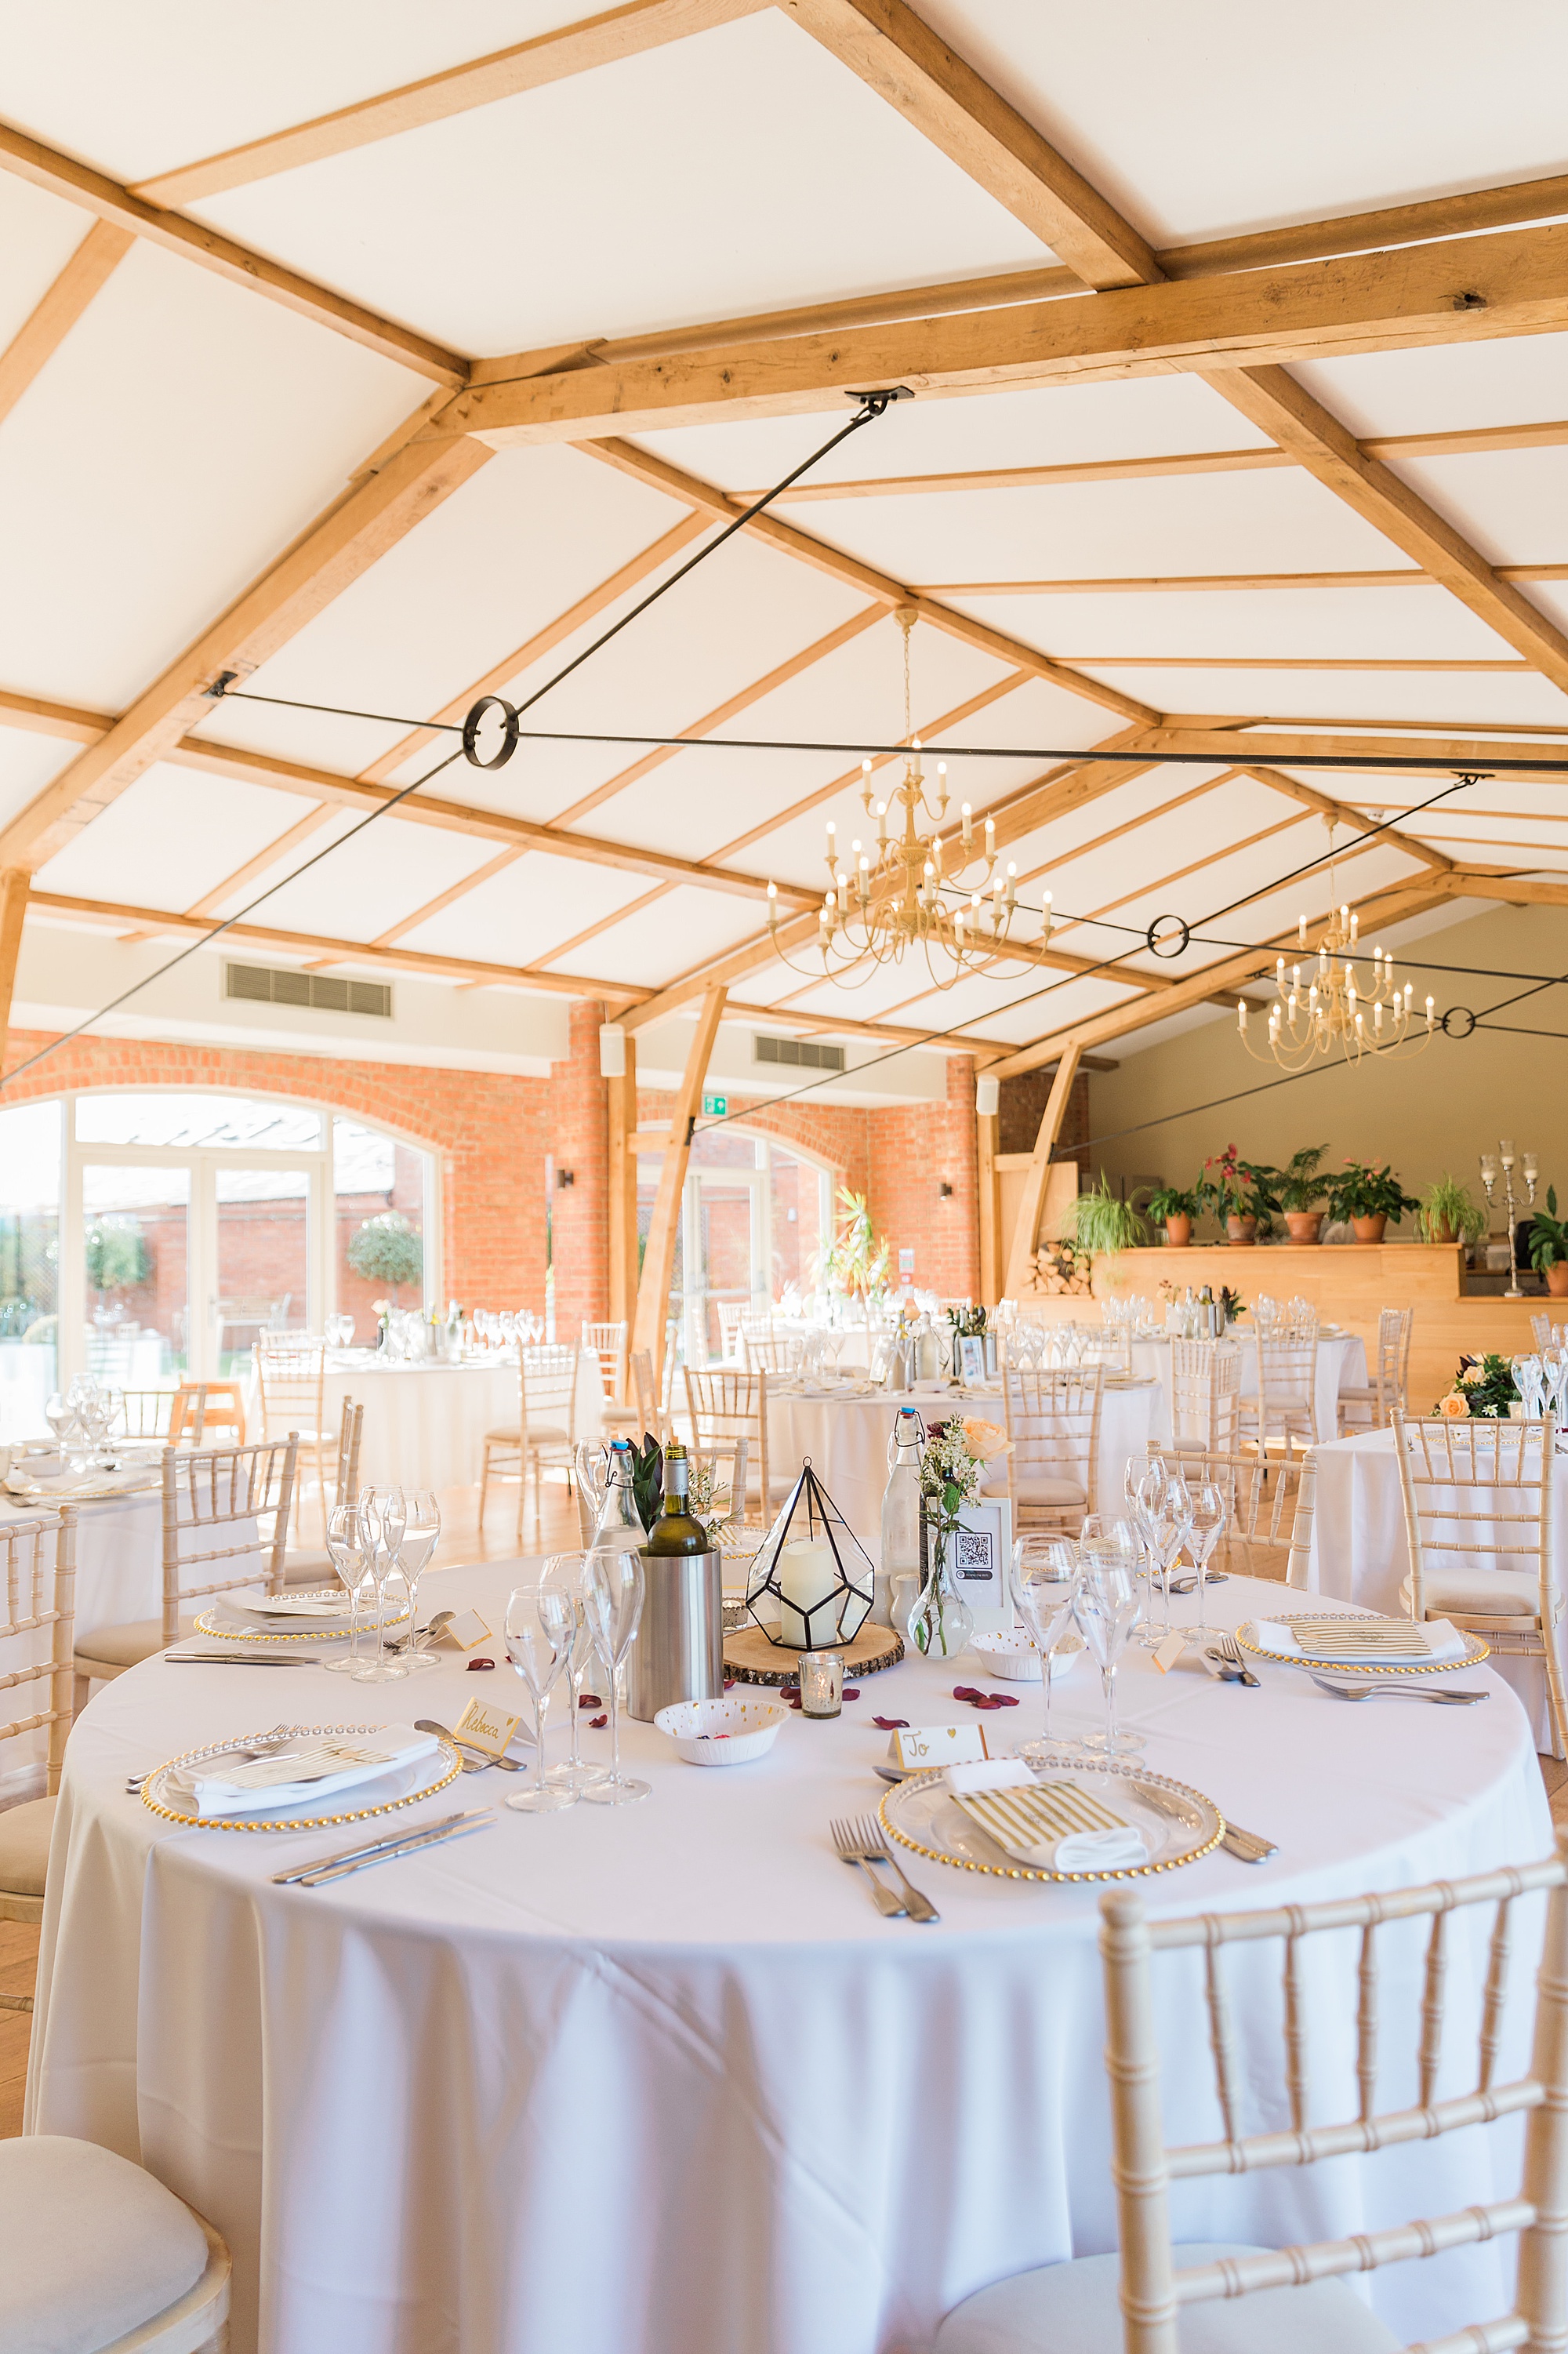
(1143, 1487)
(570, 1571)
(615, 1591)
(1169, 1522)
(1106, 1607)
(539, 1626)
(353, 1551)
(383, 1510)
(1044, 1580)
(1206, 1525)
(421, 1534)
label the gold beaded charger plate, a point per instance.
(1348, 1662)
(400, 1785)
(231, 1625)
(751, 1658)
(1178, 1824)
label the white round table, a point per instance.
(425, 1424)
(846, 1438)
(1341, 1364)
(659, 2079)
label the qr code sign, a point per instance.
(975, 1555)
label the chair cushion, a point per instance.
(1495, 1592)
(125, 1646)
(504, 1437)
(90, 2246)
(548, 1434)
(24, 1856)
(1071, 2308)
(1047, 1491)
(309, 1569)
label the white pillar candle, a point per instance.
(806, 1577)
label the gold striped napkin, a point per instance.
(1056, 1826)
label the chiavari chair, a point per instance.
(1053, 1422)
(727, 1405)
(1268, 1526)
(1372, 1407)
(37, 1560)
(1205, 1397)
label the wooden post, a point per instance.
(622, 1206)
(15, 884)
(659, 1258)
(1026, 1232)
(987, 1132)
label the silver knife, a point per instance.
(241, 1659)
(398, 1838)
(461, 1829)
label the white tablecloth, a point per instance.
(425, 1424)
(660, 2081)
(1341, 1364)
(1360, 1553)
(847, 1439)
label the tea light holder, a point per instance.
(821, 1683)
(813, 1571)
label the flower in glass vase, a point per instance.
(951, 1462)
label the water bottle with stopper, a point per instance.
(897, 1579)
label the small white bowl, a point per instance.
(1014, 1659)
(721, 1731)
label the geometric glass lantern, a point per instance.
(815, 1570)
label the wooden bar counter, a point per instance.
(1348, 1283)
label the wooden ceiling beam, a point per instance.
(42, 333)
(1516, 890)
(68, 721)
(1513, 283)
(1279, 782)
(1277, 751)
(61, 175)
(1512, 667)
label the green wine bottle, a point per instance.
(675, 1530)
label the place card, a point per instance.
(937, 1745)
(467, 1630)
(1170, 1650)
(480, 1727)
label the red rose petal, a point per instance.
(597, 1723)
(892, 1723)
(729, 1683)
(796, 1701)
(590, 1700)
(479, 1663)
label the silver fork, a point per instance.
(1444, 1695)
(849, 1848)
(875, 1849)
(1229, 1651)
(246, 1757)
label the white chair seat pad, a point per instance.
(1071, 2308)
(1046, 1491)
(307, 1568)
(548, 1434)
(90, 2246)
(1496, 1593)
(503, 1436)
(24, 1859)
(127, 1645)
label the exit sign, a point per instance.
(715, 1107)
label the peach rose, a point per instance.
(1454, 1407)
(984, 1440)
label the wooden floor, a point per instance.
(462, 1540)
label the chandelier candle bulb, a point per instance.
(969, 826)
(865, 783)
(990, 838)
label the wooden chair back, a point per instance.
(728, 1405)
(1479, 1492)
(346, 1480)
(1053, 1421)
(291, 1376)
(727, 1458)
(1268, 1533)
(547, 1385)
(1205, 1396)
(608, 1343)
(202, 1408)
(1152, 2290)
(219, 1487)
(38, 1562)
(1288, 1383)
(732, 1315)
(147, 1414)
(1109, 1345)
(1392, 1376)
(764, 1352)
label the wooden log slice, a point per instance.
(750, 1658)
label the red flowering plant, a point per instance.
(1237, 1188)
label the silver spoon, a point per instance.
(482, 1757)
(1189, 1584)
(1444, 1694)
(422, 1636)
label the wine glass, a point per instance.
(1044, 1580)
(339, 1329)
(1142, 1486)
(1208, 1515)
(382, 1509)
(1106, 1607)
(539, 1629)
(421, 1534)
(1169, 1523)
(569, 1570)
(614, 1597)
(353, 1551)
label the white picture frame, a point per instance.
(979, 1552)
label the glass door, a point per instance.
(134, 1272)
(261, 1257)
(724, 1250)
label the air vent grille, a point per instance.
(324, 992)
(798, 1054)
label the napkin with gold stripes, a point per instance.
(1055, 1826)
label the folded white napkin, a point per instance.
(298, 1606)
(1111, 1849)
(307, 1770)
(1089, 1852)
(1447, 1644)
(988, 1773)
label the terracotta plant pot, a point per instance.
(1242, 1230)
(1445, 1233)
(1369, 1230)
(1305, 1225)
(1179, 1232)
(1557, 1278)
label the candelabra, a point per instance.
(1529, 1169)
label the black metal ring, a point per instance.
(1182, 936)
(470, 732)
(1457, 1013)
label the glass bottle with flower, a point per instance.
(951, 1461)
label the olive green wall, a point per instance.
(1435, 1112)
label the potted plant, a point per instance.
(1549, 1246)
(1175, 1207)
(387, 1250)
(1448, 1214)
(1239, 1193)
(855, 1261)
(1368, 1193)
(1102, 1223)
(1298, 1187)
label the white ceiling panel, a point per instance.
(528, 909)
(1445, 388)
(39, 234)
(375, 881)
(1457, 698)
(496, 232)
(666, 939)
(1308, 624)
(27, 763)
(1510, 504)
(171, 838)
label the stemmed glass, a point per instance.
(1168, 1523)
(1107, 1605)
(1142, 1486)
(1044, 1580)
(60, 1415)
(614, 1600)
(382, 1510)
(353, 1549)
(569, 1570)
(422, 1535)
(1208, 1512)
(339, 1331)
(539, 1629)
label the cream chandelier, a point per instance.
(886, 900)
(1323, 1006)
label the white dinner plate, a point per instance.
(234, 1620)
(401, 1786)
(1178, 1824)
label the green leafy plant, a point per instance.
(1300, 1185)
(648, 1479)
(1548, 1236)
(1102, 1223)
(388, 1250)
(1367, 1189)
(1484, 1388)
(1174, 1202)
(118, 1258)
(1237, 1188)
(1447, 1213)
(1232, 1302)
(855, 1261)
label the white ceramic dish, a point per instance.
(1012, 1658)
(721, 1731)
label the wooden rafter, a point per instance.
(15, 883)
(1277, 751)
(41, 333)
(1179, 583)
(659, 1258)
(1026, 1230)
(1294, 790)
(62, 176)
(1299, 662)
